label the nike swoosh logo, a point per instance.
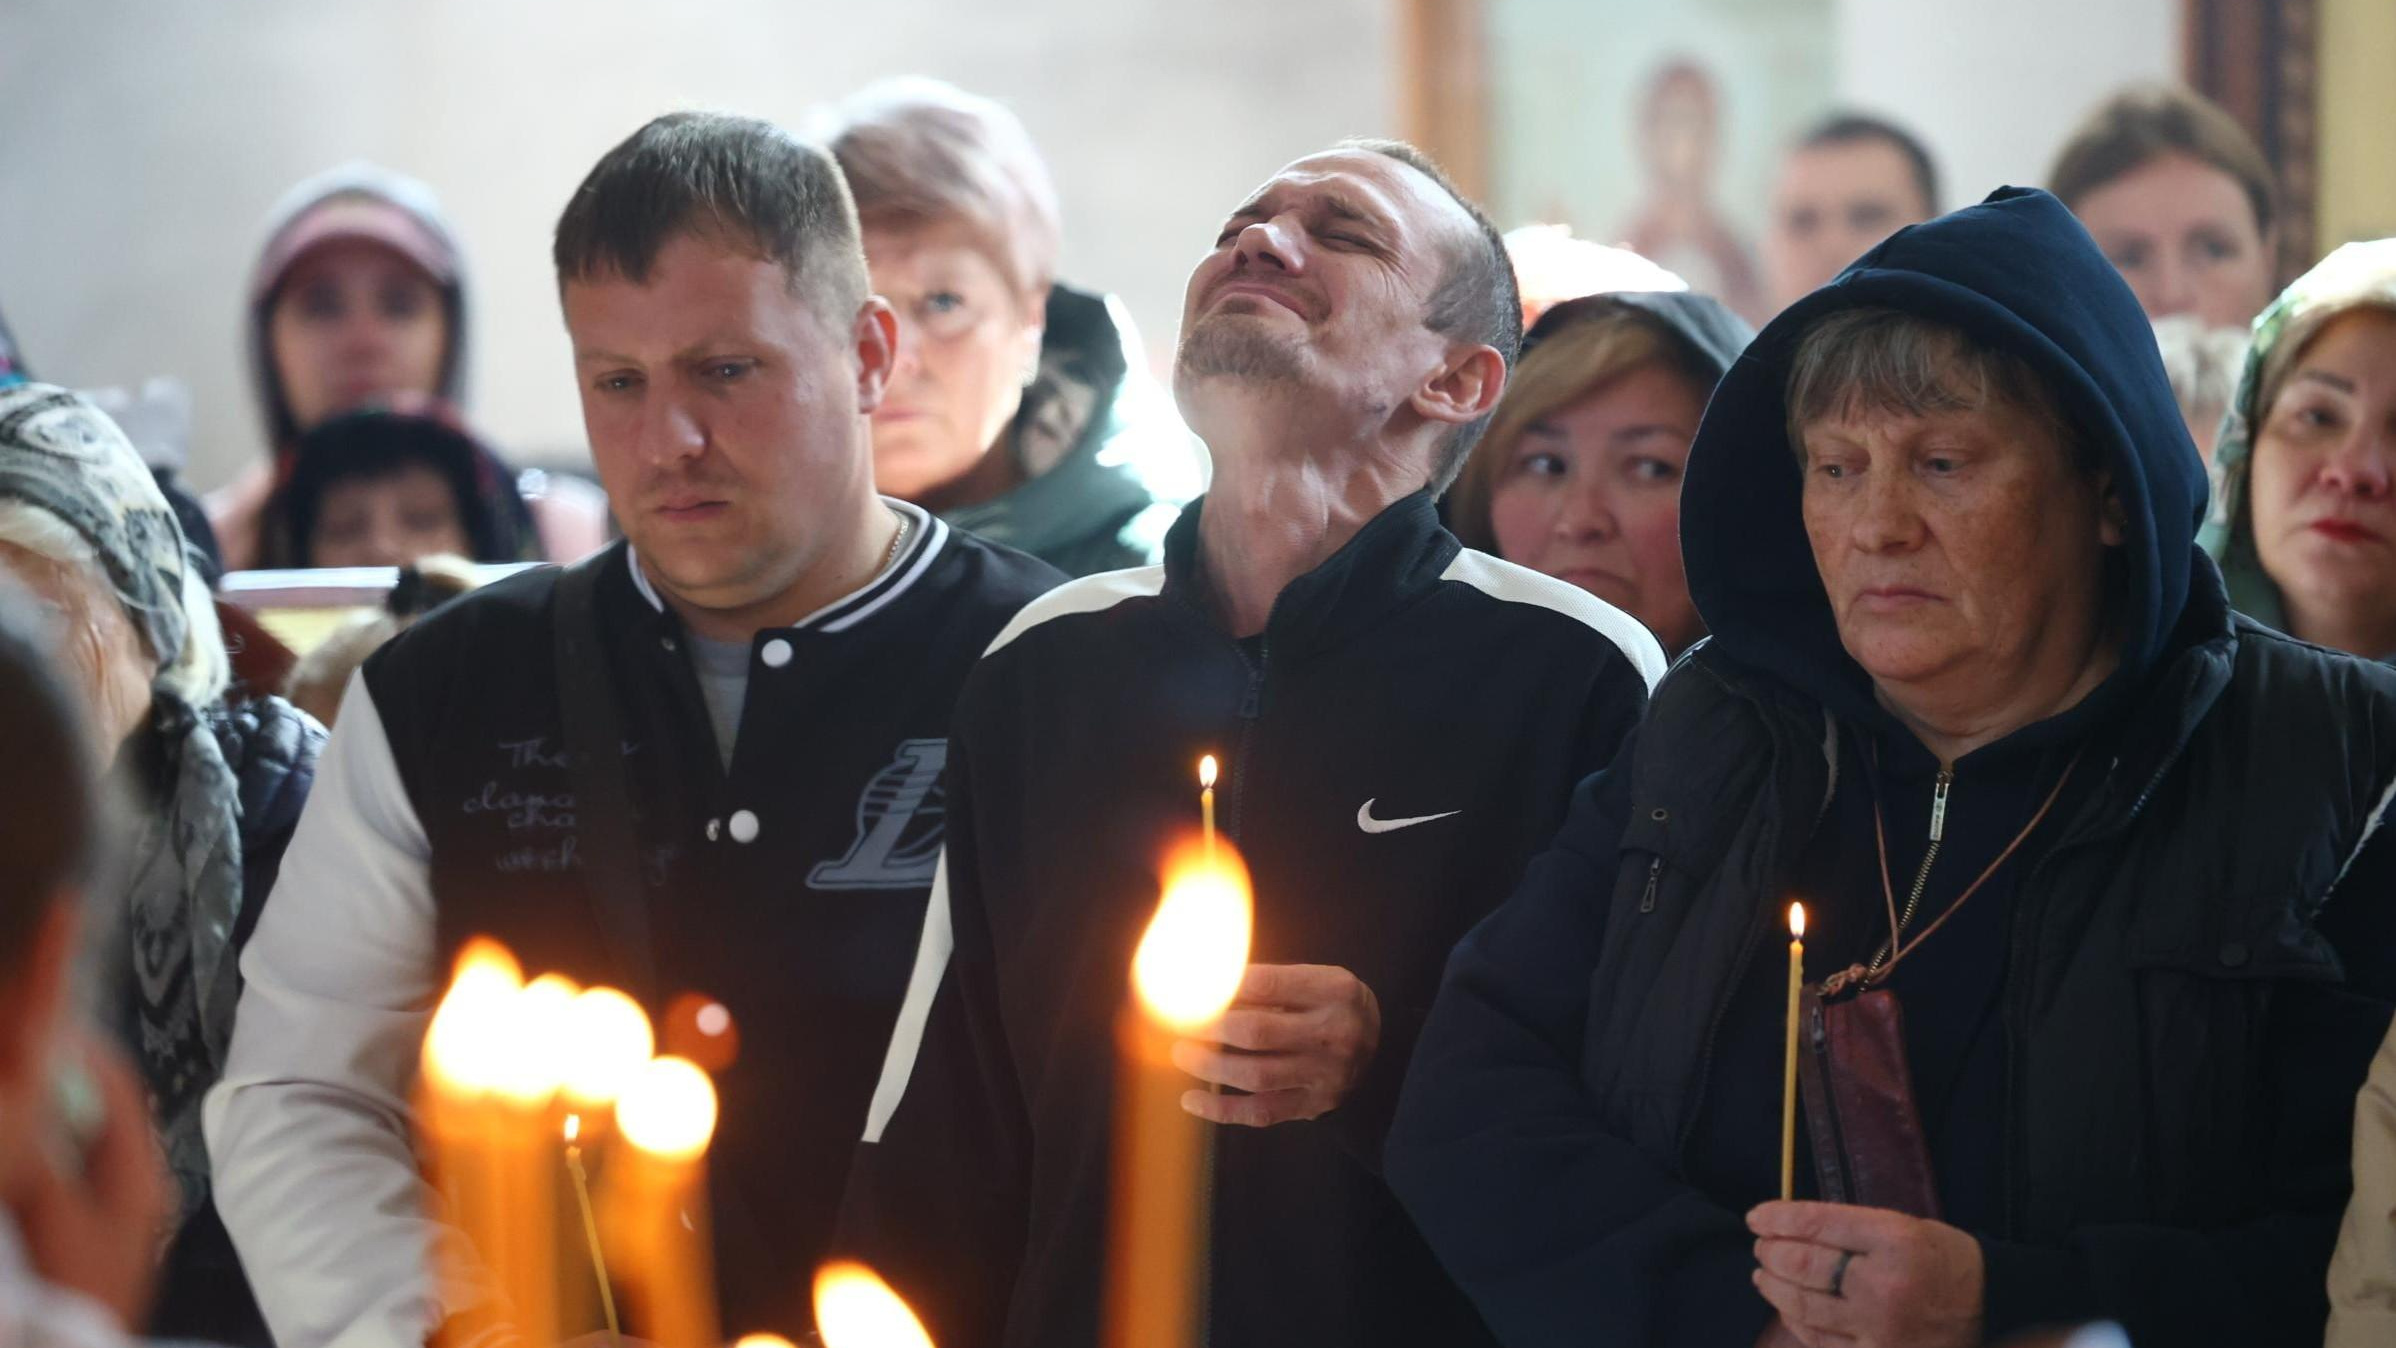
(1365, 820)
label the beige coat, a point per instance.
(2362, 1275)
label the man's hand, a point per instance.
(1296, 1038)
(97, 1232)
(1908, 1283)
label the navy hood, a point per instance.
(2016, 273)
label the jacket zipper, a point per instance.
(1252, 707)
(1921, 879)
(1647, 898)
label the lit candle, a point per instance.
(531, 1043)
(590, 1226)
(1184, 975)
(1206, 801)
(456, 1108)
(666, 1116)
(854, 1308)
(1788, 1092)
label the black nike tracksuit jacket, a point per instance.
(1407, 680)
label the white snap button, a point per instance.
(715, 829)
(776, 653)
(744, 826)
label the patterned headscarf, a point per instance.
(2354, 276)
(62, 454)
(182, 879)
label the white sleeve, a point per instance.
(309, 1131)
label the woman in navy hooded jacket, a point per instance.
(1968, 670)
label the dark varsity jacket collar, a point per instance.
(1394, 560)
(927, 534)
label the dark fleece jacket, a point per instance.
(1565, 1231)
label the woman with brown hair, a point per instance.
(2180, 198)
(1579, 475)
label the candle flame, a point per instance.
(1797, 921)
(1190, 962)
(668, 1109)
(854, 1308)
(532, 1041)
(762, 1341)
(573, 1129)
(606, 1039)
(1206, 771)
(462, 1054)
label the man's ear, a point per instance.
(1466, 389)
(875, 337)
(33, 993)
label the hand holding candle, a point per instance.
(1788, 1093)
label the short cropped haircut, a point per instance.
(2145, 122)
(1476, 301)
(1876, 359)
(1855, 128)
(46, 794)
(919, 151)
(745, 182)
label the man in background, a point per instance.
(1844, 186)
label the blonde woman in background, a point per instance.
(1580, 474)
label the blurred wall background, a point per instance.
(142, 141)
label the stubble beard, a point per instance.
(1227, 347)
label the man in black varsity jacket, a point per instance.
(1400, 722)
(773, 661)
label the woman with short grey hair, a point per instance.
(218, 783)
(2098, 943)
(1020, 408)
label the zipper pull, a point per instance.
(1938, 804)
(1647, 900)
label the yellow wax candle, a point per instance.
(1206, 801)
(1788, 1095)
(456, 1108)
(1184, 976)
(667, 1116)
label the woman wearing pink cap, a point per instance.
(359, 297)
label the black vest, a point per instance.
(791, 888)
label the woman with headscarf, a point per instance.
(1579, 474)
(218, 785)
(359, 297)
(2305, 525)
(2099, 924)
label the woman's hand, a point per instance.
(1843, 1275)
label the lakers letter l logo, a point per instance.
(898, 825)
